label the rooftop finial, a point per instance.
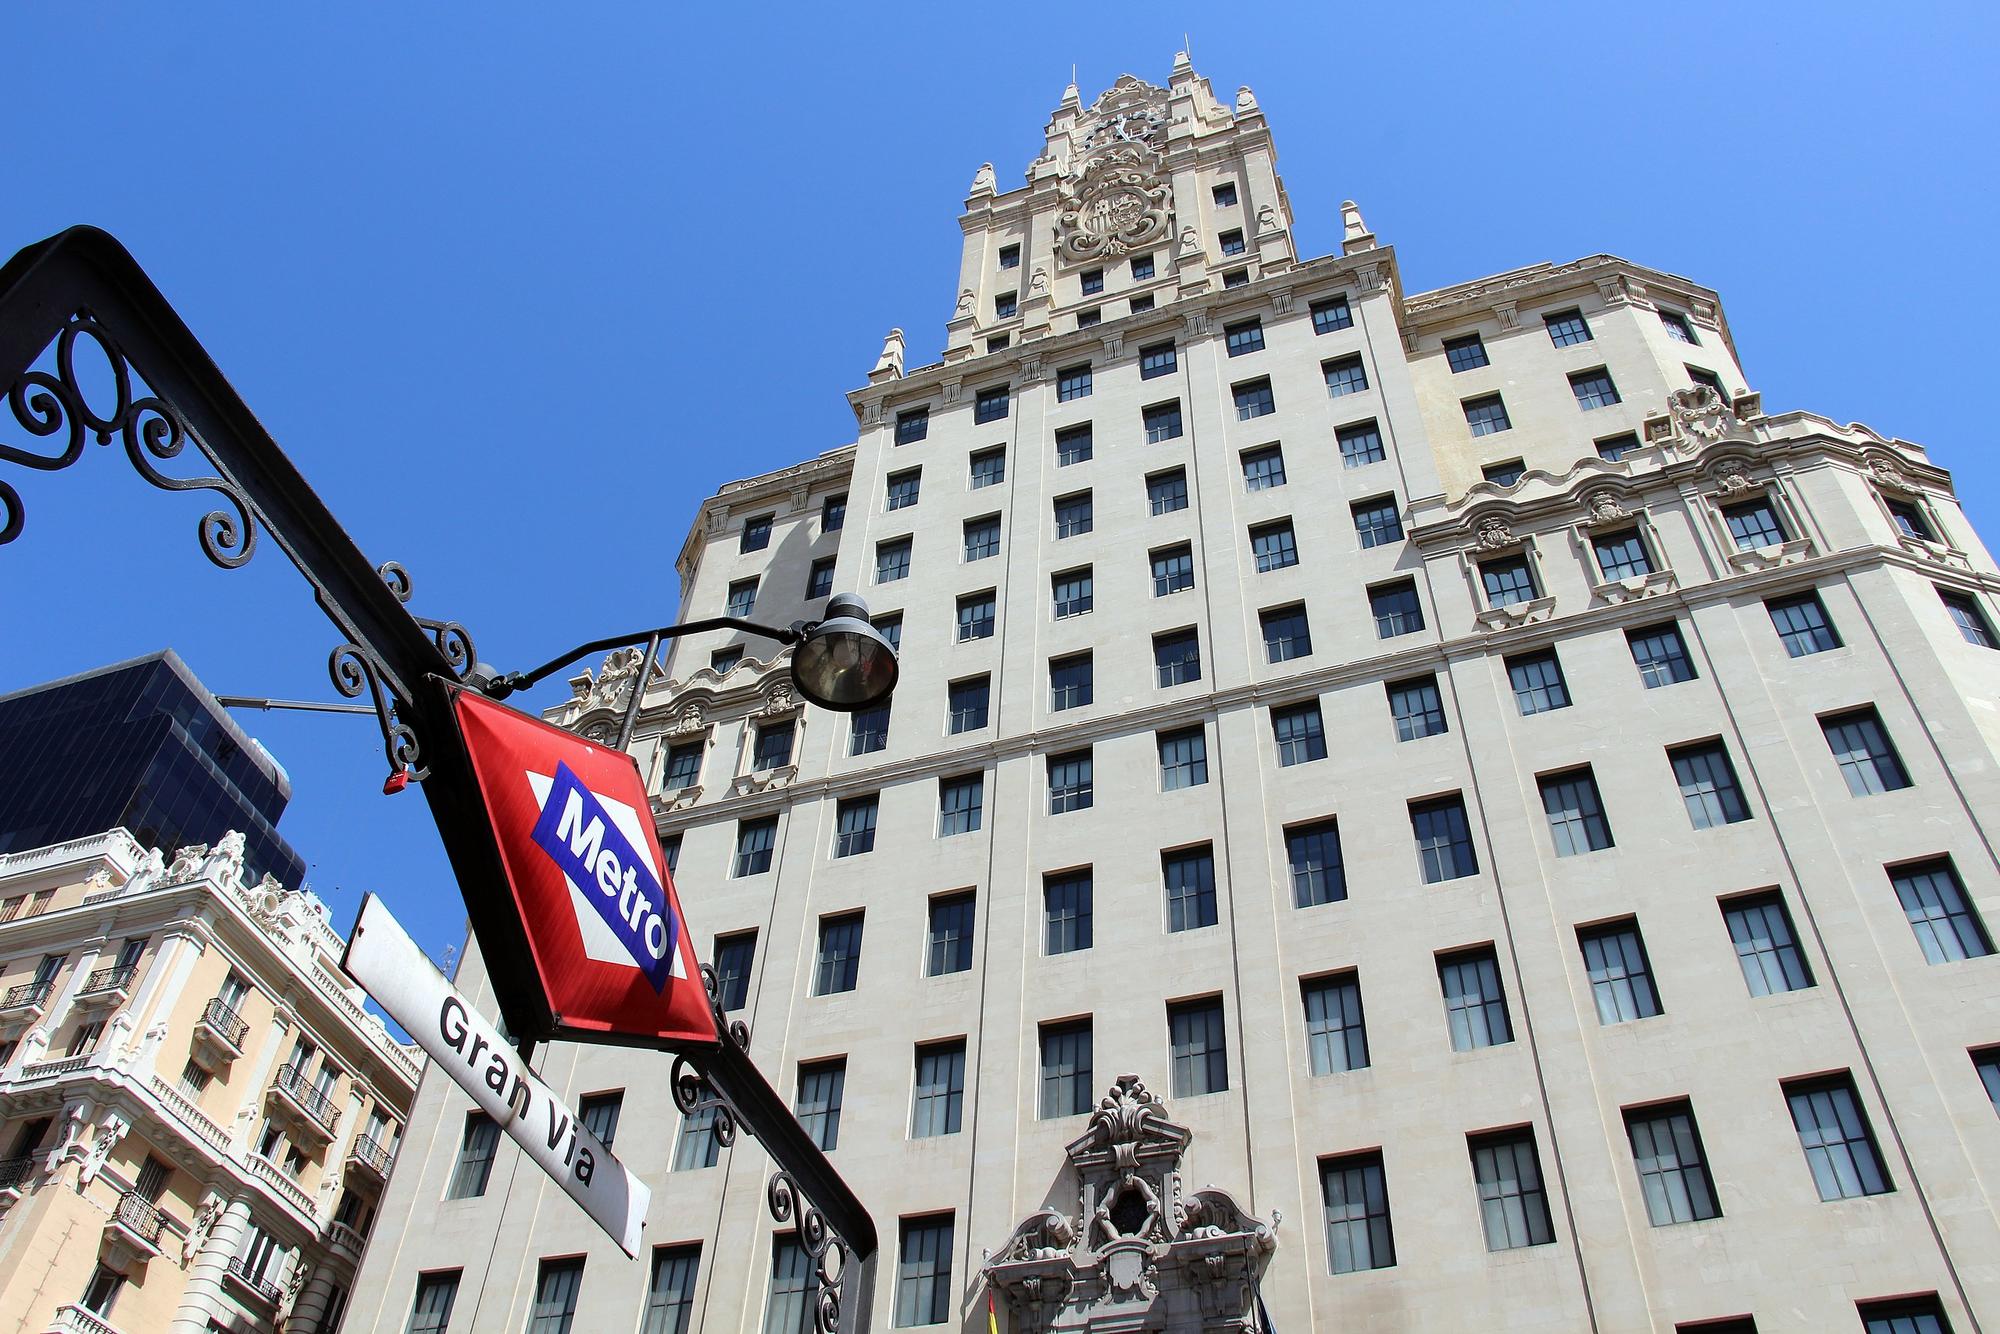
(1355, 233)
(889, 366)
(982, 180)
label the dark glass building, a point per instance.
(143, 745)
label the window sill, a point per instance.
(1515, 614)
(1637, 587)
(1935, 552)
(1770, 558)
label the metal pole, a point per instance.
(638, 692)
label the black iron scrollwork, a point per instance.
(353, 671)
(150, 428)
(453, 640)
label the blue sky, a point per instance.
(519, 286)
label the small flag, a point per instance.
(992, 1320)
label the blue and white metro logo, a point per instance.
(603, 866)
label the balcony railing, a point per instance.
(257, 1283)
(14, 1171)
(108, 979)
(370, 1154)
(27, 996)
(343, 1237)
(291, 1082)
(74, 1318)
(224, 1022)
(139, 1216)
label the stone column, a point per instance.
(203, 1299)
(311, 1308)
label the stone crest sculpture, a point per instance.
(1114, 200)
(1493, 533)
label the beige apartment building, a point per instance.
(197, 1116)
(1541, 801)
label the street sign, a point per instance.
(574, 831)
(404, 982)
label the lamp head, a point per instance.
(844, 663)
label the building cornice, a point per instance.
(793, 484)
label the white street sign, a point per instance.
(402, 979)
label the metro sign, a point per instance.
(574, 833)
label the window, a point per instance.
(949, 942)
(1183, 759)
(1231, 242)
(1673, 1173)
(1235, 278)
(837, 965)
(1010, 257)
(1074, 516)
(1508, 580)
(1263, 468)
(833, 513)
(821, 1086)
(1066, 908)
(1378, 522)
(1360, 444)
(1200, 1052)
(599, 1114)
(1071, 592)
(698, 1147)
(1336, 1037)
(1344, 376)
(1593, 389)
(819, 579)
(1538, 682)
(733, 958)
(1173, 569)
(892, 560)
(756, 533)
(1707, 380)
(1834, 1132)
(1513, 1206)
(1073, 382)
(989, 467)
(1300, 735)
(1274, 546)
(1861, 748)
(903, 488)
(1068, 1085)
(557, 1285)
(1162, 421)
(1614, 958)
(1092, 280)
(1286, 633)
(1567, 328)
(742, 598)
(670, 1292)
(1753, 524)
(476, 1147)
(940, 1089)
(1486, 415)
(1142, 268)
(890, 626)
(1157, 360)
(961, 803)
(1070, 681)
(1331, 314)
(1396, 609)
(1243, 337)
(923, 1275)
(1444, 839)
(1416, 707)
(100, 1295)
(1708, 784)
(1465, 353)
(1972, 624)
(1357, 1213)
(755, 839)
(1801, 622)
(975, 616)
(1312, 852)
(1622, 555)
(1615, 447)
(1225, 195)
(436, 1293)
(1475, 1007)
(1073, 445)
(1167, 491)
(1660, 655)
(1576, 814)
(684, 765)
(794, 1288)
(967, 702)
(1253, 399)
(1177, 657)
(1766, 946)
(1505, 473)
(1070, 782)
(913, 425)
(1677, 327)
(1910, 520)
(990, 405)
(1913, 1315)
(854, 826)
(1005, 304)
(774, 746)
(1190, 880)
(1987, 1063)
(868, 730)
(1946, 923)
(982, 537)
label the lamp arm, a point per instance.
(502, 686)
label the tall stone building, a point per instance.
(1541, 806)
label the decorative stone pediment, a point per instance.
(1140, 1251)
(1699, 417)
(1114, 200)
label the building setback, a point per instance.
(1522, 808)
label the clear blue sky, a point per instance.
(519, 285)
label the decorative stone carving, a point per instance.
(1605, 507)
(966, 300)
(1130, 111)
(1267, 220)
(1190, 241)
(689, 719)
(982, 180)
(1889, 475)
(1116, 205)
(226, 862)
(1038, 282)
(187, 863)
(1493, 533)
(199, 1227)
(1515, 614)
(778, 698)
(109, 1132)
(1731, 476)
(1246, 101)
(294, 1285)
(1700, 417)
(152, 867)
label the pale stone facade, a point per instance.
(1608, 909)
(197, 1116)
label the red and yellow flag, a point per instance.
(992, 1321)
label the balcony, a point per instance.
(370, 1158)
(132, 1235)
(256, 1284)
(218, 1035)
(14, 1174)
(107, 986)
(27, 1001)
(345, 1241)
(74, 1319)
(309, 1109)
